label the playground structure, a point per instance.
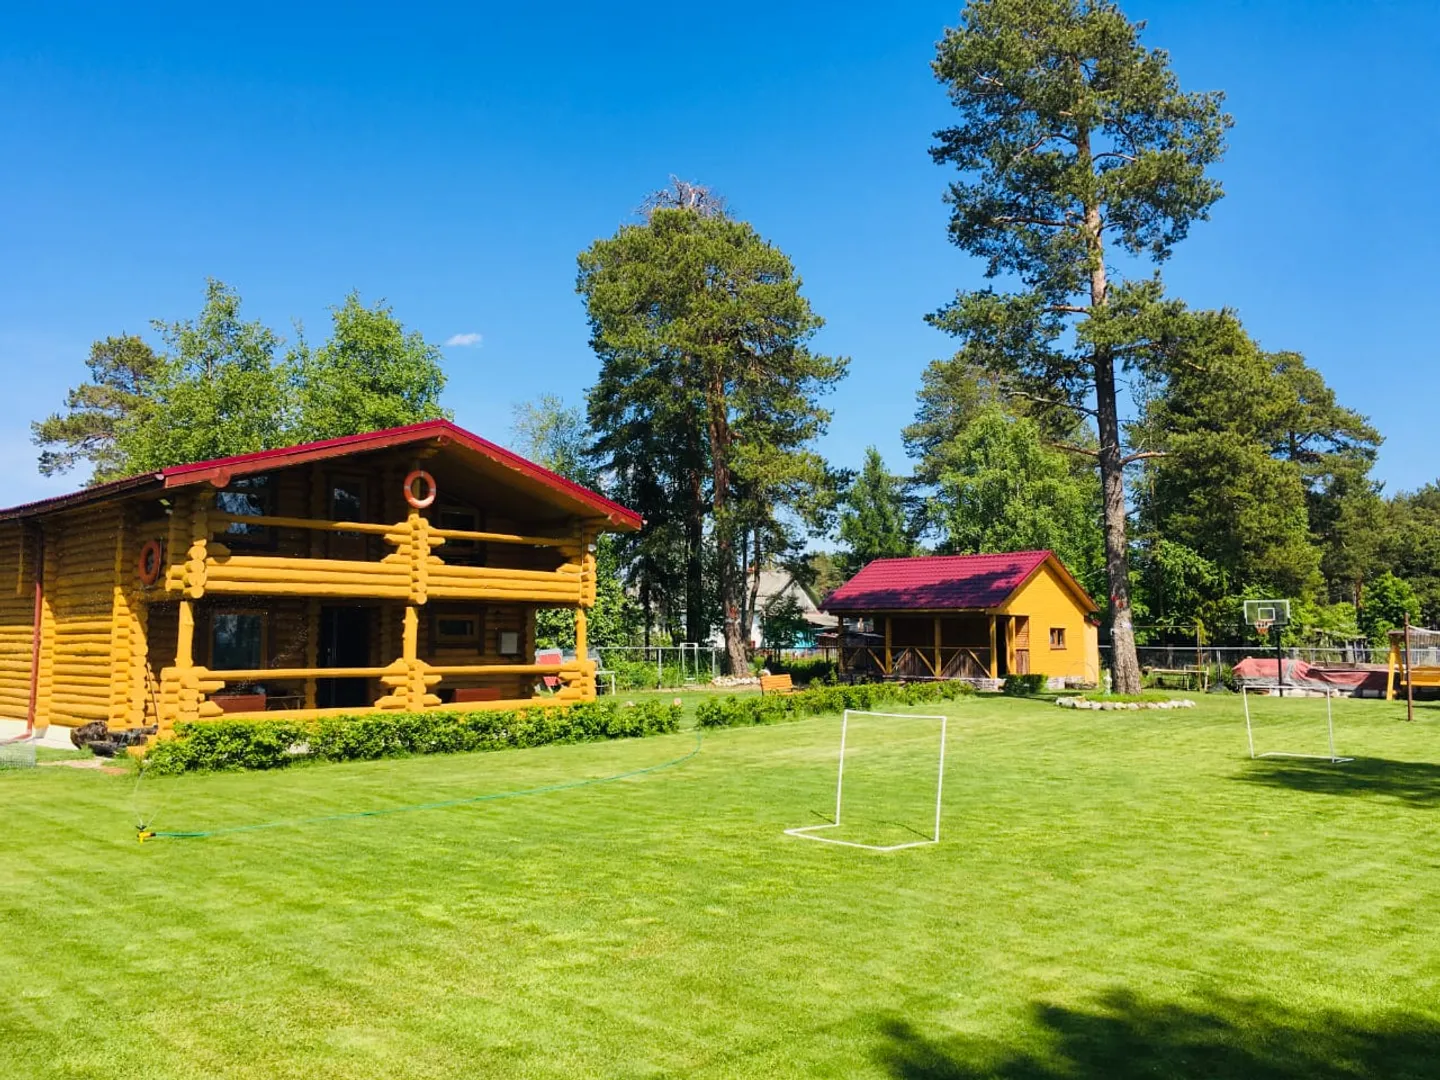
(394, 570)
(1415, 659)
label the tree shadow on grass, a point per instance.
(1122, 1037)
(1413, 782)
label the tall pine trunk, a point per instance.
(1124, 664)
(727, 569)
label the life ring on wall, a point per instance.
(150, 563)
(418, 502)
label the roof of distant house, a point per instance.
(945, 582)
(219, 471)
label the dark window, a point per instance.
(247, 496)
(237, 641)
(1057, 637)
(454, 550)
(457, 630)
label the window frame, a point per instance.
(1058, 638)
(261, 616)
(441, 640)
(252, 537)
(462, 552)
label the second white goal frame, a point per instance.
(1329, 729)
(807, 832)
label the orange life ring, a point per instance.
(415, 500)
(150, 563)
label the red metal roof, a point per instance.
(942, 582)
(220, 470)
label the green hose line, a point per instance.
(410, 808)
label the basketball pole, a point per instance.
(1279, 662)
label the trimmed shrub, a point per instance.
(777, 708)
(1023, 685)
(804, 670)
(274, 744)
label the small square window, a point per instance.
(1057, 637)
(247, 496)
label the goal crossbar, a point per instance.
(1329, 730)
(808, 832)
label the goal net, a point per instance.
(889, 782)
(1290, 723)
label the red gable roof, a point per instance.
(220, 470)
(942, 582)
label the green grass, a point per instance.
(1144, 695)
(1117, 895)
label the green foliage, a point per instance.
(782, 622)
(777, 708)
(1408, 542)
(221, 387)
(1388, 600)
(371, 374)
(1022, 685)
(803, 670)
(874, 518)
(707, 401)
(273, 744)
(122, 370)
(1002, 489)
(553, 434)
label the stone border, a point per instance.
(1109, 706)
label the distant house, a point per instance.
(967, 617)
(775, 587)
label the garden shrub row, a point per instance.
(804, 670)
(776, 709)
(273, 744)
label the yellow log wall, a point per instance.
(1050, 603)
(17, 616)
(79, 627)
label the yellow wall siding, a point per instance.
(80, 578)
(17, 621)
(1050, 604)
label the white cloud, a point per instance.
(462, 341)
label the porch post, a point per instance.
(889, 660)
(938, 667)
(994, 660)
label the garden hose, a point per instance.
(144, 834)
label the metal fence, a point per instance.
(1181, 656)
(675, 665)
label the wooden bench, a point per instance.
(776, 684)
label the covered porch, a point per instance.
(939, 645)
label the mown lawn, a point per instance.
(1116, 895)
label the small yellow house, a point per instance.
(968, 617)
(396, 569)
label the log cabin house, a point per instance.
(393, 570)
(975, 617)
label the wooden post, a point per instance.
(580, 642)
(185, 636)
(889, 659)
(1409, 681)
(939, 667)
(994, 649)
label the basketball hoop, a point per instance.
(1262, 627)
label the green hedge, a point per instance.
(1023, 685)
(274, 744)
(804, 670)
(778, 708)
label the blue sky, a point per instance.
(455, 161)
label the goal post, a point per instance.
(1331, 757)
(809, 832)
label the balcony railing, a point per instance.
(199, 562)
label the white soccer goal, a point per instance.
(808, 832)
(1329, 729)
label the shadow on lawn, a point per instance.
(1124, 1038)
(1414, 782)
